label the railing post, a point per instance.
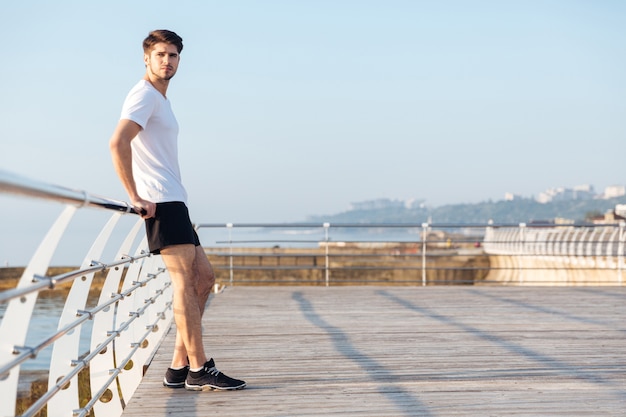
(103, 322)
(424, 236)
(521, 250)
(17, 316)
(229, 226)
(620, 252)
(327, 260)
(67, 348)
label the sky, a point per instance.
(289, 109)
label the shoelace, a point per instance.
(213, 371)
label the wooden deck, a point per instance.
(407, 351)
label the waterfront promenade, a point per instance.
(407, 351)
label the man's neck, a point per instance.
(160, 85)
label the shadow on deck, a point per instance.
(407, 351)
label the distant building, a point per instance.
(413, 203)
(584, 192)
(379, 203)
(610, 217)
(551, 194)
(614, 191)
(579, 192)
(511, 197)
(588, 188)
(386, 203)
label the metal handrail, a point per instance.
(19, 185)
(494, 240)
(84, 315)
(46, 282)
(118, 369)
(83, 363)
(398, 225)
(142, 271)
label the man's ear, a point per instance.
(146, 59)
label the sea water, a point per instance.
(43, 324)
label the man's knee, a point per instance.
(205, 277)
(209, 279)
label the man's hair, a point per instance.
(162, 35)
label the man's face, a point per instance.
(162, 62)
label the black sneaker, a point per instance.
(175, 378)
(209, 378)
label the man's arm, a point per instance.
(121, 154)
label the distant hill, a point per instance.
(515, 211)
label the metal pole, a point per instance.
(327, 261)
(15, 184)
(620, 252)
(520, 251)
(424, 237)
(229, 226)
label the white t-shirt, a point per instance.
(155, 148)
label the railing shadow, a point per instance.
(404, 400)
(548, 363)
(552, 312)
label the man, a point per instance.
(145, 156)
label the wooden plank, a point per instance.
(407, 351)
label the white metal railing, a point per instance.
(593, 253)
(132, 314)
(570, 247)
(426, 244)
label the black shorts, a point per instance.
(170, 225)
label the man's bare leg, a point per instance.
(204, 281)
(179, 260)
(202, 375)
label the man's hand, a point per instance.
(145, 208)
